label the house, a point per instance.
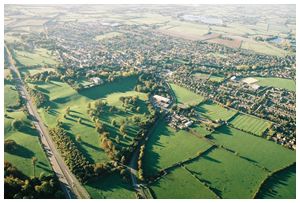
(161, 101)
(96, 80)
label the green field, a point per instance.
(212, 78)
(165, 147)
(109, 187)
(263, 48)
(108, 36)
(26, 138)
(281, 185)
(39, 56)
(185, 96)
(180, 184)
(254, 149)
(230, 176)
(63, 96)
(11, 95)
(277, 82)
(214, 111)
(250, 124)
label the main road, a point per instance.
(70, 185)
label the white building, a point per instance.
(96, 80)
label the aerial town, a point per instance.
(150, 102)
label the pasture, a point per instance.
(219, 170)
(185, 96)
(109, 187)
(11, 95)
(214, 111)
(282, 83)
(257, 150)
(63, 96)
(185, 30)
(180, 184)
(281, 185)
(166, 147)
(250, 124)
(39, 56)
(263, 48)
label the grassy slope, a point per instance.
(277, 82)
(180, 184)
(255, 149)
(250, 124)
(166, 147)
(232, 176)
(186, 96)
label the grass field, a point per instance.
(165, 147)
(281, 185)
(219, 169)
(214, 111)
(250, 124)
(63, 96)
(277, 82)
(33, 71)
(263, 48)
(38, 57)
(108, 36)
(185, 96)
(185, 30)
(109, 187)
(254, 149)
(180, 184)
(26, 138)
(204, 76)
(11, 95)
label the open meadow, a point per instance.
(187, 187)
(282, 83)
(214, 111)
(185, 96)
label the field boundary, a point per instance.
(270, 176)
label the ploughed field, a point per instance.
(225, 163)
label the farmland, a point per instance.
(26, 138)
(250, 124)
(187, 187)
(110, 187)
(263, 48)
(259, 151)
(219, 169)
(185, 96)
(283, 83)
(214, 111)
(150, 101)
(37, 57)
(185, 30)
(281, 185)
(162, 149)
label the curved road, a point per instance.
(70, 185)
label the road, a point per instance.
(70, 185)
